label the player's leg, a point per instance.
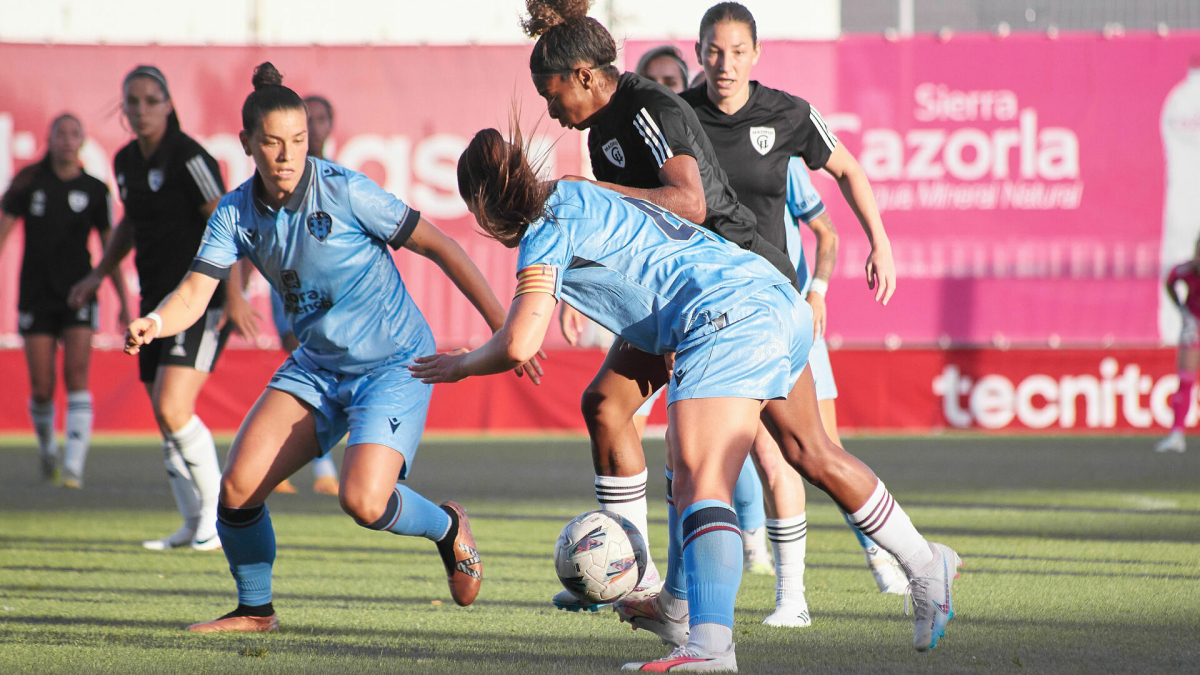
(40, 349)
(787, 528)
(278, 436)
(795, 423)
(77, 353)
(386, 418)
(1188, 360)
(752, 518)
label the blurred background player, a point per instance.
(643, 142)
(1187, 273)
(666, 66)
(755, 130)
(170, 185)
(339, 225)
(320, 126)
(60, 205)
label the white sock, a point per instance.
(675, 608)
(754, 545)
(79, 431)
(882, 519)
(196, 446)
(789, 538)
(43, 425)
(187, 499)
(626, 497)
(711, 638)
(324, 467)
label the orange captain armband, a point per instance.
(537, 279)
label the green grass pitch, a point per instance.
(1082, 554)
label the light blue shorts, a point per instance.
(822, 371)
(756, 350)
(385, 405)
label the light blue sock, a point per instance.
(863, 540)
(748, 498)
(712, 554)
(675, 581)
(249, 543)
(410, 514)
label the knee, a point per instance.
(171, 413)
(41, 392)
(235, 494)
(602, 411)
(364, 509)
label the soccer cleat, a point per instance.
(326, 485)
(207, 542)
(688, 660)
(889, 575)
(285, 487)
(566, 600)
(67, 479)
(465, 575)
(756, 553)
(49, 465)
(644, 613)
(790, 613)
(1174, 442)
(237, 624)
(182, 537)
(929, 593)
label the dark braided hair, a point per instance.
(496, 176)
(567, 37)
(269, 95)
(728, 11)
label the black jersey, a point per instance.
(644, 125)
(59, 216)
(755, 143)
(163, 194)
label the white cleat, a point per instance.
(790, 614)
(756, 553)
(1174, 442)
(182, 537)
(566, 600)
(645, 613)
(889, 575)
(689, 660)
(929, 592)
(207, 542)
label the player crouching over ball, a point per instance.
(321, 232)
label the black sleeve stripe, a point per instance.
(404, 229)
(204, 179)
(822, 128)
(210, 270)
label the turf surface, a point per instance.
(1083, 556)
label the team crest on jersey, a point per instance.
(154, 178)
(37, 203)
(319, 225)
(763, 139)
(77, 200)
(614, 153)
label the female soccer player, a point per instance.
(755, 131)
(170, 186)
(1189, 348)
(320, 125)
(741, 337)
(60, 205)
(643, 142)
(319, 234)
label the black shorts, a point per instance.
(197, 347)
(53, 321)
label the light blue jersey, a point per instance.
(325, 252)
(804, 205)
(634, 268)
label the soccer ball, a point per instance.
(600, 556)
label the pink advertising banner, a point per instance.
(1034, 189)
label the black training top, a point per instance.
(59, 216)
(755, 143)
(644, 125)
(163, 195)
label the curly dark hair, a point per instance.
(567, 37)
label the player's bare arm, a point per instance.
(431, 243)
(177, 312)
(518, 341)
(682, 191)
(827, 247)
(7, 222)
(118, 281)
(881, 271)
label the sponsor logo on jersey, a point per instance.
(77, 200)
(37, 203)
(289, 278)
(319, 225)
(614, 153)
(154, 178)
(763, 139)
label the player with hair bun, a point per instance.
(644, 142)
(60, 205)
(319, 233)
(741, 335)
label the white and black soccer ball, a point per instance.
(600, 556)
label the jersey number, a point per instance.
(666, 221)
